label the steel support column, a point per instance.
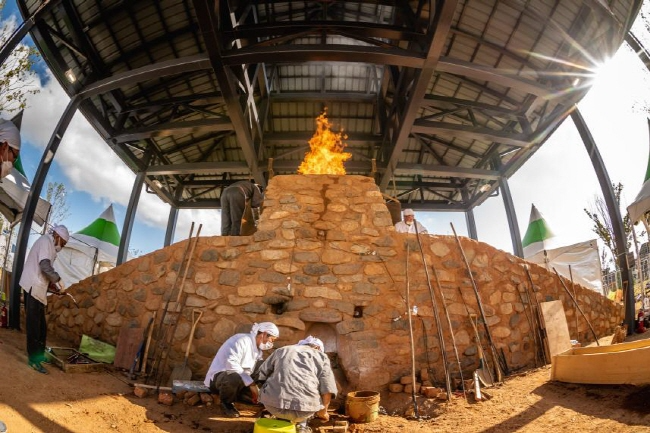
(129, 218)
(614, 215)
(513, 224)
(30, 209)
(469, 218)
(173, 218)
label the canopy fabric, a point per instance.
(14, 189)
(537, 235)
(582, 257)
(90, 250)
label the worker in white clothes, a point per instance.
(408, 225)
(9, 146)
(230, 374)
(39, 278)
(298, 383)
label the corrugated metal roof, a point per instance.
(199, 95)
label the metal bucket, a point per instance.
(362, 406)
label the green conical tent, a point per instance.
(95, 244)
(537, 234)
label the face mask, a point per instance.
(409, 223)
(266, 346)
(57, 248)
(5, 168)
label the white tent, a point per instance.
(579, 262)
(89, 251)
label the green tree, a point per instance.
(56, 195)
(602, 226)
(16, 80)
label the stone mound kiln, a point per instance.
(326, 261)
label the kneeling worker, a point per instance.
(299, 383)
(230, 373)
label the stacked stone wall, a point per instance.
(326, 261)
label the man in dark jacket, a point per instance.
(233, 203)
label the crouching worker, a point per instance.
(230, 373)
(299, 383)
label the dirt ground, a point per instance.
(104, 402)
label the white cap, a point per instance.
(9, 133)
(62, 231)
(312, 341)
(267, 327)
(409, 212)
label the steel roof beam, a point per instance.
(435, 101)
(171, 129)
(211, 22)
(404, 168)
(299, 138)
(150, 72)
(197, 168)
(470, 132)
(440, 28)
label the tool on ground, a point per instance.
(160, 328)
(531, 325)
(493, 349)
(138, 354)
(537, 316)
(577, 306)
(145, 355)
(436, 314)
(477, 386)
(410, 321)
(451, 329)
(169, 336)
(183, 372)
(483, 372)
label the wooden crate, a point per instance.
(72, 361)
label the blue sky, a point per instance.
(559, 179)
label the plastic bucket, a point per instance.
(270, 425)
(362, 406)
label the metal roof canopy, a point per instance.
(442, 101)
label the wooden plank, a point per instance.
(625, 363)
(557, 330)
(128, 343)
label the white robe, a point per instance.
(239, 353)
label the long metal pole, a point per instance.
(493, 349)
(436, 314)
(537, 315)
(408, 312)
(577, 306)
(614, 215)
(30, 208)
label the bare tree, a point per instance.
(56, 195)
(16, 80)
(602, 226)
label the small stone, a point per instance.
(166, 398)
(396, 387)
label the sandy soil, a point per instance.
(104, 402)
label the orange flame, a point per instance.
(326, 155)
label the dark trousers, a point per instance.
(230, 387)
(35, 328)
(233, 203)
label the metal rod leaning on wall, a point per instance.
(451, 329)
(408, 312)
(531, 323)
(573, 289)
(436, 315)
(179, 306)
(575, 301)
(159, 331)
(537, 316)
(493, 349)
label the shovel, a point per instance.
(483, 372)
(183, 372)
